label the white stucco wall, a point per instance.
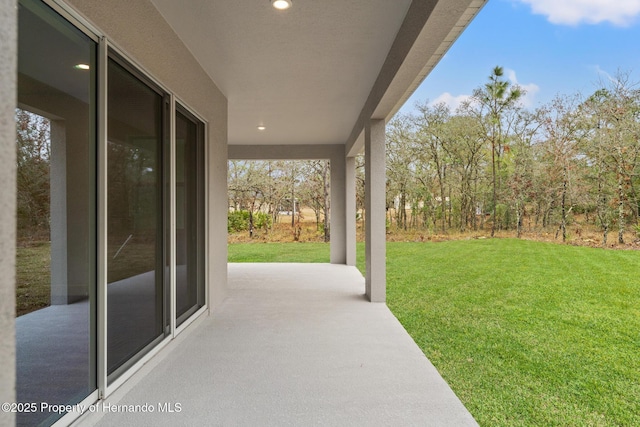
(140, 31)
(8, 48)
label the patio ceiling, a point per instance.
(313, 73)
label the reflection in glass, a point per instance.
(135, 314)
(189, 215)
(55, 269)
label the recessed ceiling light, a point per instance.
(81, 67)
(262, 127)
(281, 4)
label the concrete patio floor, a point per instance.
(293, 344)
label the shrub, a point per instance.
(262, 220)
(239, 221)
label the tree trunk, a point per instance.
(633, 203)
(293, 205)
(518, 220)
(250, 222)
(327, 213)
(563, 225)
(442, 208)
(493, 175)
(403, 210)
(621, 222)
(474, 204)
(450, 206)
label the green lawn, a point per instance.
(526, 333)
(33, 278)
(279, 252)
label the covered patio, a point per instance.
(293, 344)
(219, 80)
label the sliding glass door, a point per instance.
(137, 129)
(56, 217)
(189, 190)
(100, 214)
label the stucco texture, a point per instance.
(8, 47)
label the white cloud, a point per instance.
(573, 12)
(531, 89)
(618, 80)
(600, 72)
(453, 102)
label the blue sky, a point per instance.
(549, 47)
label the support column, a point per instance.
(337, 206)
(8, 64)
(70, 201)
(216, 220)
(350, 210)
(58, 219)
(375, 201)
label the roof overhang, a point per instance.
(313, 74)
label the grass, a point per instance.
(33, 270)
(526, 333)
(33, 287)
(278, 252)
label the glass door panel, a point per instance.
(135, 291)
(56, 215)
(189, 214)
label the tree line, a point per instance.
(33, 156)
(496, 165)
(491, 164)
(260, 192)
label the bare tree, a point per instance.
(560, 122)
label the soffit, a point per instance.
(443, 27)
(305, 73)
